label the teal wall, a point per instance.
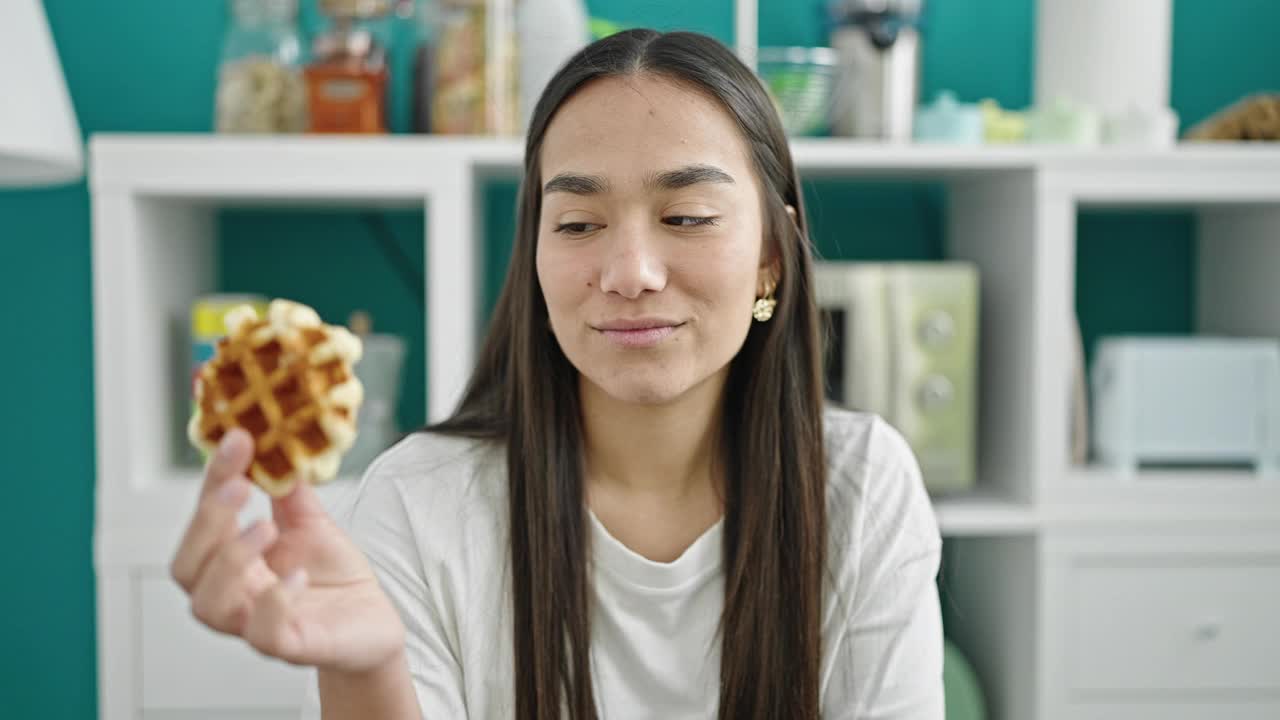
(148, 65)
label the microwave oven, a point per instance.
(902, 342)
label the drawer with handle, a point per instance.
(1173, 623)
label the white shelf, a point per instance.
(984, 516)
(308, 166)
(1011, 210)
(302, 167)
(1096, 495)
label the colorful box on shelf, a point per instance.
(207, 325)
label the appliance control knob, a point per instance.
(935, 392)
(937, 329)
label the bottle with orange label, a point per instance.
(347, 78)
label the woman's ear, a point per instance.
(771, 265)
(768, 276)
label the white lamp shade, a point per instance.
(39, 136)
(1111, 54)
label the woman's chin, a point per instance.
(646, 394)
(643, 389)
(649, 396)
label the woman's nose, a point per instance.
(632, 264)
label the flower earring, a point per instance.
(763, 309)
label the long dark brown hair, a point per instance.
(524, 394)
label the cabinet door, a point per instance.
(1166, 620)
(186, 666)
(1174, 624)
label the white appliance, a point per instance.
(1192, 400)
(904, 344)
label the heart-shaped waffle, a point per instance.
(288, 380)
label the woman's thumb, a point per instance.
(302, 503)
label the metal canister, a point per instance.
(878, 44)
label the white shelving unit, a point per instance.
(1041, 548)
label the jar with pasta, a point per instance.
(260, 84)
(475, 83)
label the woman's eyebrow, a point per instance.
(686, 176)
(668, 180)
(576, 184)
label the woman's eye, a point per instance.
(577, 228)
(689, 220)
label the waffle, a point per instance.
(288, 380)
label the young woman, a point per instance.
(641, 508)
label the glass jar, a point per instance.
(260, 85)
(475, 86)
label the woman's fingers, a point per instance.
(232, 458)
(214, 523)
(223, 493)
(236, 574)
(273, 628)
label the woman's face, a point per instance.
(650, 239)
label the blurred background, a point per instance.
(923, 91)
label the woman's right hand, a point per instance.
(295, 587)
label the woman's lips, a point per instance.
(640, 337)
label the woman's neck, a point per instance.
(658, 452)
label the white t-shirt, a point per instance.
(431, 514)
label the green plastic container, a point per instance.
(964, 692)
